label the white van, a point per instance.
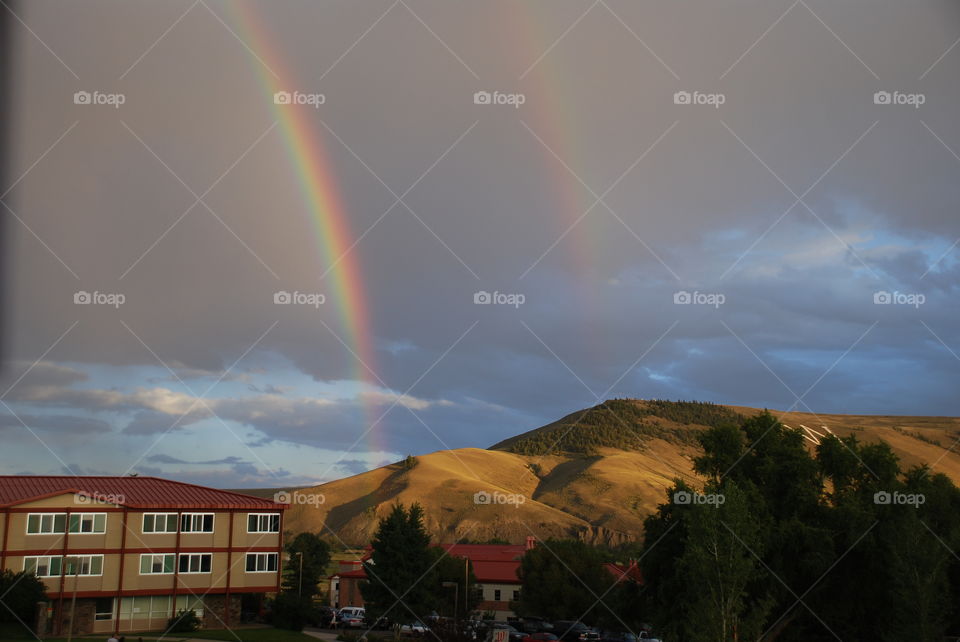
(351, 616)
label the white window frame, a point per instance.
(165, 516)
(193, 517)
(266, 563)
(93, 518)
(190, 557)
(49, 562)
(84, 559)
(162, 563)
(98, 617)
(261, 517)
(53, 520)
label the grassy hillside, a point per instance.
(594, 474)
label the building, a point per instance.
(494, 565)
(124, 554)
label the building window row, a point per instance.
(57, 523)
(56, 565)
(163, 564)
(96, 523)
(261, 563)
(263, 523)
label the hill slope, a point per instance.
(594, 474)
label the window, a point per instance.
(88, 523)
(54, 565)
(190, 603)
(261, 562)
(45, 523)
(196, 523)
(160, 523)
(43, 566)
(103, 608)
(83, 565)
(156, 564)
(195, 562)
(263, 523)
(516, 596)
(156, 607)
(496, 595)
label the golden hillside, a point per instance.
(595, 474)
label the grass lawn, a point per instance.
(246, 635)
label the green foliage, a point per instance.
(871, 568)
(409, 462)
(561, 578)
(291, 612)
(402, 578)
(459, 570)
(20, 593)
(315, 554)
(625, 424)
(185, 621)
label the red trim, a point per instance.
(176, 566)
(158, 550)
(63, 575)
(193, 508)
(280, 556)
(216, 590)
(6, 531)
(226, 599)
(123, 557)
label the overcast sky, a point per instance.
(742, 202)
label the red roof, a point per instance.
(499, 572)
(133, 492)
(487, 552)
(623, 573)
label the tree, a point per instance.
(562, 579)
(401, 572)
(457, 570)
(311, 554)
(20, 593)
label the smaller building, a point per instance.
(494, 565)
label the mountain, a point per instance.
(594, 474)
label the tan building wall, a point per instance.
(227, 546)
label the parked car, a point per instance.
(619, 636)
(513, 635)
(323, 616)
(351, 617)
(574, 631)
(533, 624)
(541, 636)
(417, 629)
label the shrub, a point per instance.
(183, 622)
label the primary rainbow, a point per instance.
(321, 195)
